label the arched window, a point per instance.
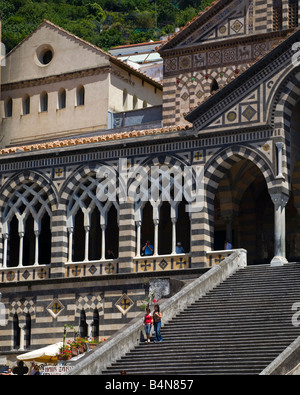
(8, 107)
(293, 13)
(16, 332)
(277, 15)
(80, 96)
(163, 221)
(96, 324)
(26, 226)
(27, 340)
(62, 98)
(44, 102)
(83, 327)
(89, 220)
(214, 85)
(26, 105)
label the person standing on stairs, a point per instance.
(157, 324)
(148, 322)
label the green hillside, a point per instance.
(105, 23)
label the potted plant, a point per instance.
(74, 347)
(64, 354)
(94, 342)
(82, 347)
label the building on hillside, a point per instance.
(230, 112)
(143, 56)
(55, 85)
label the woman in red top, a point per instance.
(148, 321)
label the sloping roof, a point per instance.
(194, 24)
(112, 58)
(80, 141)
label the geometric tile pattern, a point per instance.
(55, 308)
(124, 304)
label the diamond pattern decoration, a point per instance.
(93, 269)
(163, 264)
(199, 94)
(55, 308)
(124, 304)
(237, 26)
(26, 274)
(185, 96)
(249, 113)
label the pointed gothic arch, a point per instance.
(85, 214)
(25, 201)
(157, 220)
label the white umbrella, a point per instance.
(45, 354)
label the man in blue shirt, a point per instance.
(179, 248)
(148, 248)
(228, 245)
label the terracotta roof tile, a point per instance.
(93, 139)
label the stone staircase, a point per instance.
(239, 327)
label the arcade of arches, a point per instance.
(243, 214)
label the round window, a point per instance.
(44, 55)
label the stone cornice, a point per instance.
(80, 74)
(56, 78)
(229, 42)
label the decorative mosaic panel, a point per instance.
(163, 263)
(26, 273)
(55, 308)
(124, 304)
(215, 257)
(90, 269)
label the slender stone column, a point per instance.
(280, 200)
(5, 237)
(279, 146)
(174, 220)
(70, 230)
(21, 235)
(22, 337)
(138, 238)
(86, 246)
(156, 223)
(103, 228)
(90, 328)
(36, 252)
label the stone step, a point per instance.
(237, 328)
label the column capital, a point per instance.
(279, 199)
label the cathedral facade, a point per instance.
(76, 212)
